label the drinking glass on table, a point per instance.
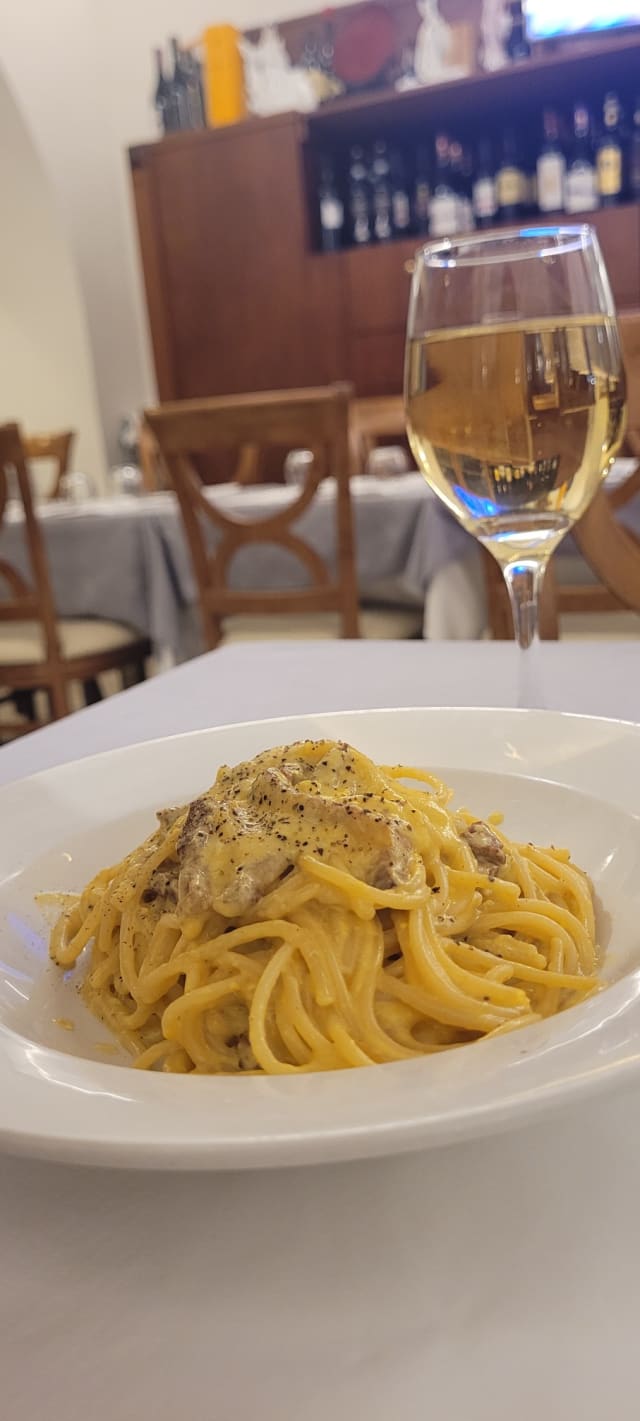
(77, 487)
(516, 395)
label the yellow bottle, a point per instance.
(224, 75)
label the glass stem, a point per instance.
(524, 580)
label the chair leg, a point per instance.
(25, 704)
(133, 674)
(57, 693)
(92, 692)
(549, 623)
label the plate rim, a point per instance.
(342, 1142)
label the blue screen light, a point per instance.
(548, 18)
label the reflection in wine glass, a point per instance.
(515, 390)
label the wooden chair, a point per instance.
(372, 420)
(51, 446)
(155, 474)
(583, 596)
(317, 419)
(38, 651)
(611, 551)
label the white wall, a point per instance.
(82, 69)
(46, 371)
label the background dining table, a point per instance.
(126, 559)
(487, 1281)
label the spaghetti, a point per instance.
(314, 911)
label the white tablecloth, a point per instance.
(492, 1281)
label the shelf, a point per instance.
(569, 72)
(603, 217)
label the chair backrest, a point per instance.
(316, 419)
(21, 600)
(51, 446)
(154, 472)
(629, 324)
(612, 552)
(379, 417)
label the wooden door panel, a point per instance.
(377, 362)
(378, 286)
(245, 310)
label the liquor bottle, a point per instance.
(443, 207)
(581, 183)
(161, 91)
(518, 47)
(381, 183)
(421, 194)
(551, 166)
(466, 174)
(459, 183)
(511, 180)
(400, 198)
(634, 155)
(610, 157)
(331, 209)
(178, 98)
(485, 201)
(359, 199)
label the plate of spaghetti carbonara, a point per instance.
(286, 942)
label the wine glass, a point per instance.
(515, 394)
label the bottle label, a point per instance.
(511, 187)
(401, 211)
(610, 170)
(332, 214)
(484, 198)
(581, 189)
(551, 171)
(443, 214)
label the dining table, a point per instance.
(486, 1280)
(126, 559)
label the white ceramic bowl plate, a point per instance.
(562, 779)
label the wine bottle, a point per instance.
(161, 91)
(443, 207)
(610, 157)
(461, 184)
(511, 180)
(381, 183)
(485, 202)
(581, 183)
(359, 199)
(551, 166)
(192, 72)
(178, 98)
(518, 47)
(421, 193)
(331, 209)
(400, 198)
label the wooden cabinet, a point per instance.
(237, 301)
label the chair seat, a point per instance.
(22, 643)
(376, 624)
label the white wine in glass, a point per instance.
(515, 390)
